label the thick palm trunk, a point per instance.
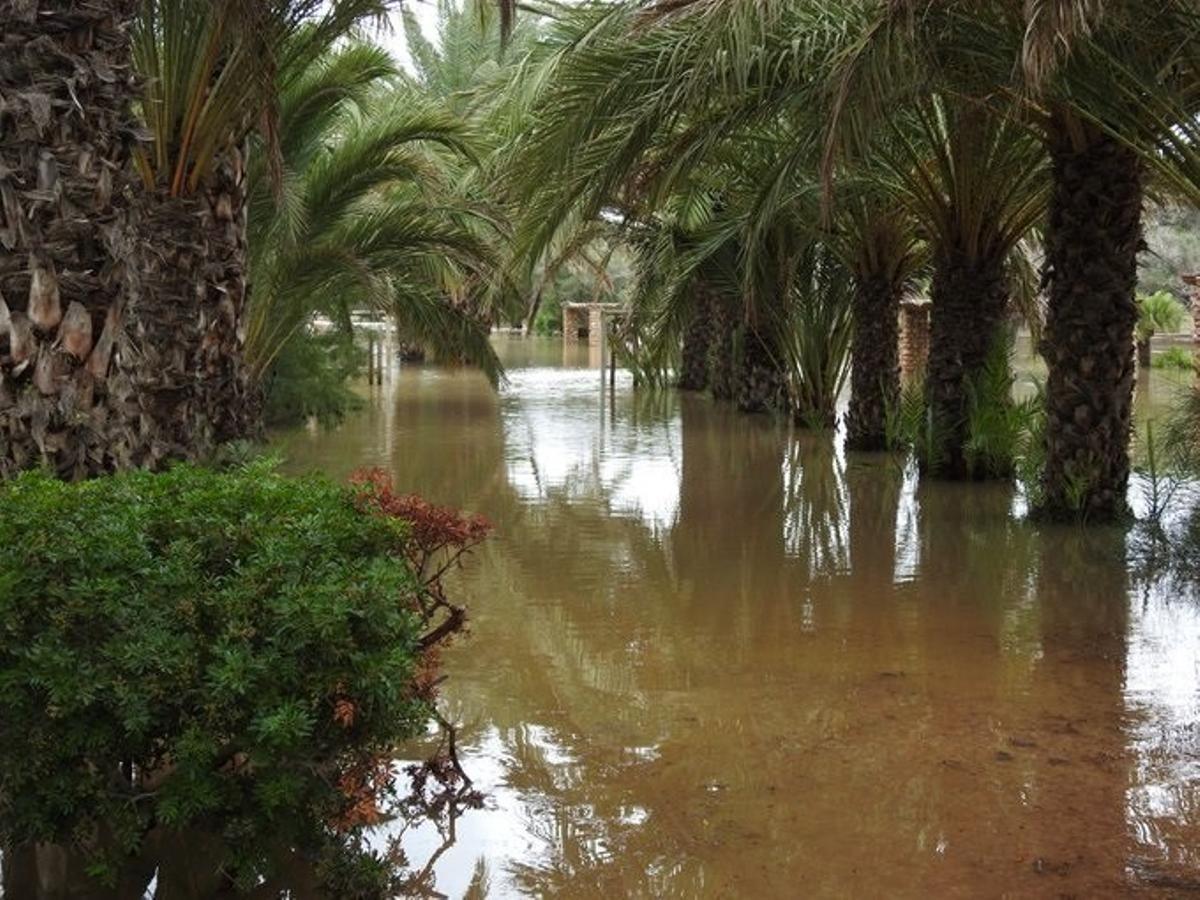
(1092, 243)
(229, 399)
(760, 379)
(66, 93)
(193, 385)
(722, 348)
(697, 338)
(970, 298)
(875, 361)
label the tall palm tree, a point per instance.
(211, 71)
(879, 243)
(1109, 88)
(1103, 104)
(881, 246)
(66, 134)
(988, 195)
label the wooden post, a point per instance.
(612, 365)
(597, 338)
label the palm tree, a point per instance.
(1157, 312)
(369, 216)
(1103, 101)
(951, 149)
(65, 236)
(989, 198)
(878, 243)
(471, 52)
(1109, 89)
(881, 246)
(211, 73)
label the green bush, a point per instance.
(309, 380)
(1173, 358)
(234, 655)
(1158, 312)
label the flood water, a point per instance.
(711, 656)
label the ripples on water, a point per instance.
(714, 657)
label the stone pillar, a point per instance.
(572, 322)
(914, 340)
(1193, 291)
(1193, 283)
(595, 324)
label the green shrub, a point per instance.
(1173, 358)
(548, 320)
(233, 655)
(1003, 435)
(1157, 313)
(308, 380)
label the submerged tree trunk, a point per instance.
(722, 347)
(534, 306)
(66, 131)
(760, 377)
(970, 298)
(1143, 353)
(875, 361)
(193, 384)
(697, 338)
(1092, 242)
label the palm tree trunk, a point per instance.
(697, 338)
(1143, 353)
(66, 99)
(970, 298)
(722, 348)
(1092, 241)
(194, 385)
(229, 399)
(875, 361)
(760, 382)
(535, 304)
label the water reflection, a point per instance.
(712, 657)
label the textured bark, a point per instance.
(697, 337)
(193, 386)
(722, 348)
(760, 379)
(1092, 241)
(1143, 353)
(970, 298)
(875, 361)
(66, 132)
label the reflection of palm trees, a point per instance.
(816, 503)
(715, 699)
(1082, 590)
(873, 487)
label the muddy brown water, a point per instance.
(711, 656)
